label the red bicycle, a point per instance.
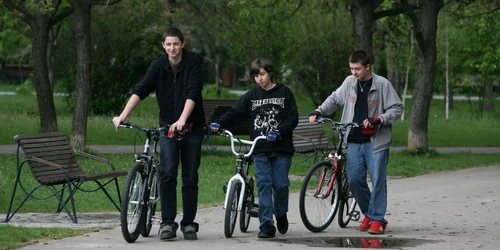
(325, 190)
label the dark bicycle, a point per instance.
(325, 190)
(142, 187)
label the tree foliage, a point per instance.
(15, 46)
(305, 40)
(125, 39)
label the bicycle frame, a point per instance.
(336, 158)
(241, 157)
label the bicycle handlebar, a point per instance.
(338, 125)
(130, 125)
(225, 132)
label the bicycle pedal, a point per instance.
(355, 215)
(254, 212)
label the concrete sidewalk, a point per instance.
(449, 210)
(130, 149)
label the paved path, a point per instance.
(115, 149)
(449, 210)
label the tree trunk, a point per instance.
(392, 66)
(362, 24)
(45, 98)
(218, 91)
(53, 33)
(425, 29)
(489, 99)
(421, 99)
(83, 73)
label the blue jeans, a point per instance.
(360, 157)
(188, 150)
(271, 174)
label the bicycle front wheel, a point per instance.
(319, 198)
(231, 209)
(133, 205)
(347, 203)
(152, 199)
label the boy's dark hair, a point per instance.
(259, 63)
(173, 32)
(360, 56)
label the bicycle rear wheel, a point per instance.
(247, 207)
(317, 206)
(231, 209)
(153, 198)
(133, 205)
(347, 203)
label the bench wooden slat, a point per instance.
(215, 108)
(310, 138)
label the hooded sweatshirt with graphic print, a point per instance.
(268, 110)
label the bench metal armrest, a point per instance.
(97, 158)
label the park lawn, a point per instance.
(466, 127)
(12, 237)
(216, 169)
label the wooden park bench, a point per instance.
(54, 165)
(310, 140)
(214, 109)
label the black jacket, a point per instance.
(268, 110)
(172, 93)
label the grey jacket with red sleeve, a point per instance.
(383, 101)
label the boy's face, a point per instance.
(173, 46)
(360, 71)
(263, 79)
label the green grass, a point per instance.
(466, 127)
(10, 85)
(14, 237)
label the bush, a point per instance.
(26, 88)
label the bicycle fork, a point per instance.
(330, 182)
(239, 178)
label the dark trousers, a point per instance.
(188, 152)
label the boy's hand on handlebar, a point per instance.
(273, 136)
(116, 121)
(371, 122)
(314, 115)
(214, 127)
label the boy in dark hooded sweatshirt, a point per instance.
(273, 112)
(176, 78)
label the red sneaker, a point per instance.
(377, 227)
(365, 224)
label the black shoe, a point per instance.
(190, 232)
(168, 231)
(282, 224)
(267, 231)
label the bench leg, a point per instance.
(8, 217)
(107, 194)
(64, 204)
